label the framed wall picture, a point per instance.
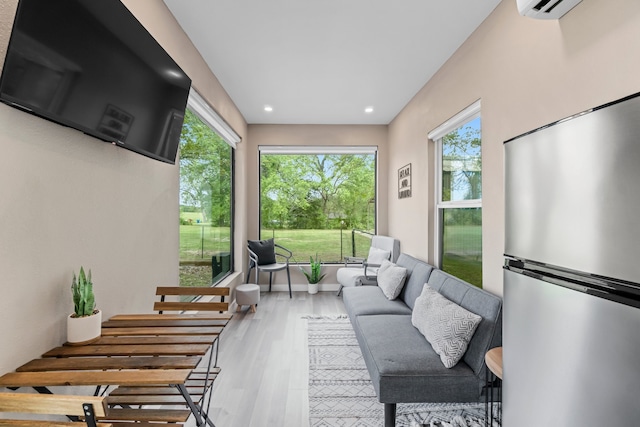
(404, 182)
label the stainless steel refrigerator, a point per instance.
(571, 343)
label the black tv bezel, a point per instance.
(62, 120)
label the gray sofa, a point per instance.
(403, 366)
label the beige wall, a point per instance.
(67, 200)
(315, 135)
(527, 73)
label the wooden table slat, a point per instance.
(129, 350)
(176, 330)
(147, 399)
(98, 363)
(161, 339)
(166, 415)
(182, 323)
(156, 316)
(78, 378)
(154, 390)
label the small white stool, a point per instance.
(248, 294)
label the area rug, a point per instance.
(341, 393)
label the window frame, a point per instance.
(201, 108)
(470, 113)
(317, 149)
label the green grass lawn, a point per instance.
(462, 258)
(465, 268)
(202, 241)
(330, 245)
(463, 252)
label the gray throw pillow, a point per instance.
(391, 279)
(447, 326)
(265, 250)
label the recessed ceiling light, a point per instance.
(368, 110)
(268, 108)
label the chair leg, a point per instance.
(270, 277)
(339, 291)
(289, 280)
(249, 267)
(257, 272)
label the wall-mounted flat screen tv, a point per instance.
(90, 65)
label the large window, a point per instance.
(206, 196)
(459, 195)
(318, 200)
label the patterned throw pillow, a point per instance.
(447, 326)
(391, 279)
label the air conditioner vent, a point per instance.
(545, 9)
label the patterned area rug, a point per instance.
(341, 393)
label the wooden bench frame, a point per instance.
(87, 407)
(164, 291)
(192, 325)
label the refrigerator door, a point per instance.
(572, 193)
(569, 359)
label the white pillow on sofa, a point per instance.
(377, 255)
(391, 279)
(447, 326)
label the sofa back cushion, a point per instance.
(388, 244)
(488, 306)
(418, 273)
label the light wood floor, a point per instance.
(264, 361)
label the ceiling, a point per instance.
(325, 61)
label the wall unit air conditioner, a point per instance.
(545, 9)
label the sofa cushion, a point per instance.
(265, 250)
(391, 279)
(403, 366)
(365, 300)
(487, 305)
(446, 325)
(418, 273)
(354, 276)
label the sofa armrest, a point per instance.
(351, 261)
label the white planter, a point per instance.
(84, 330)
(313, 288)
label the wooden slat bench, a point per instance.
(86, 407)
(204, 322)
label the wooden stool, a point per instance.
(248, 294)
(493, 360)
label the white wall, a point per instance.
(68, 200)
(527, 73)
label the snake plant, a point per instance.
(84, 301)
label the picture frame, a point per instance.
(404, 182)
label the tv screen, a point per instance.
(90, 65)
